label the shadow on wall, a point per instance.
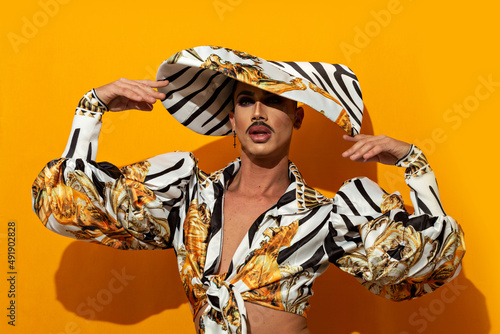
(342, 305)
(122, 287)
(128, 287)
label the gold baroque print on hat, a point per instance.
(251, 74)
(191, 53)
(241, 54)
(280, 87)
(344, 121)
(316, 89)
(243, 72)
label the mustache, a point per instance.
(259, 123)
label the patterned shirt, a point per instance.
(167, 202)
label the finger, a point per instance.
(350, 150)
(154, 83)
(355, 138)
(368, 148)
(375, 145)
(136, 94)
(372, 153)
(137, 91)
(359, 141)
(360, 136)
(150, 88)
(360, 150)
(349, 138)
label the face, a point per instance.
(264, 122)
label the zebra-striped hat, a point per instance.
(200, 93)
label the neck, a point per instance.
(261, 177)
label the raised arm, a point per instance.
(393, 253)
(419, 176)
(125, 208)
(125, 94)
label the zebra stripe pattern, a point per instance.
(199, 95)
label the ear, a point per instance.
(299, 117)
(231, 118)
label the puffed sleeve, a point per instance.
(395, 254)
(125, 208)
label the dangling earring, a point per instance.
(234, 139)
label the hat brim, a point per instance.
(200, 93)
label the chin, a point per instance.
(262, 151)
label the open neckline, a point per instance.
(254, 227)
(283, 206)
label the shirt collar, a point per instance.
(298, 197)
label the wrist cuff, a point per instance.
(91, 106)
(415, 162)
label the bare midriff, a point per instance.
(265, 320)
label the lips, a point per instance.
(259, 133)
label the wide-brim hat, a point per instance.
(200, 93)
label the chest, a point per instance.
(240, 213)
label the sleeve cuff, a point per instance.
(415, 162)
(91, 106)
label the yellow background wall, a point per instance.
(429, 74)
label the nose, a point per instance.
(259, 112)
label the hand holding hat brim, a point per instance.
(125, 94)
